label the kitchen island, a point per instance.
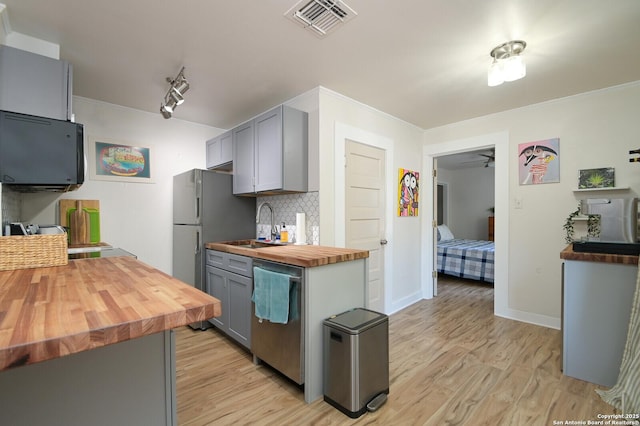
(91, 342)
(598, 291)
(335, 280)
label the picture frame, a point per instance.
(408, 192)
(539, 162)
(603, 177)
(119, 161)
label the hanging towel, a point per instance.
(271, 295)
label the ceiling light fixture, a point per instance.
(175, 94)
(507, 64)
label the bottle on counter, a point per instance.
(284, 234)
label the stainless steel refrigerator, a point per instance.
(205, 210)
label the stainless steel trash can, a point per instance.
(356, 361)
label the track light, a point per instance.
(175, 94)
(507, 64)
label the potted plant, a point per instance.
(593, 226)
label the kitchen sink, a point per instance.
(259, 244)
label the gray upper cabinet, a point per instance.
(220, 152)
(243, 158)
(35, 84)
(270, 153)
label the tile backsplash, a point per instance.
(10, 206)
(285, 208)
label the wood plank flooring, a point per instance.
(452, 362)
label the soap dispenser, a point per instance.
(284, 234)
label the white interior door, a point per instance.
(365, 212)
(434, 226)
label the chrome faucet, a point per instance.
(274, 231)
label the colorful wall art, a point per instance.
(119, 161)
(408, 192)
(539, 162)
(596, 178)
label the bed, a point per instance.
(472, 259)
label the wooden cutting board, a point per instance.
(65, 205)
(79, 231)
(82, 220)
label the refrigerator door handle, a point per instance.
(197, 208)
(197, 247)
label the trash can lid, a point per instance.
(356, 320)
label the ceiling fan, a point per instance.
(488, 160)
(491, 158)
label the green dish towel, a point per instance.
(271, 295)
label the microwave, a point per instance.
(40, 153)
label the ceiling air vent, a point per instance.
(321, 16)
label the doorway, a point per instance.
(500, 142)
(465, 196)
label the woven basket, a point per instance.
(33, 251)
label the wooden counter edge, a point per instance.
(92, 338)
(569, 254)
(305, 257)
(44, 350)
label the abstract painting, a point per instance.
(408, 191)
(539, 162)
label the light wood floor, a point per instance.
(452, 362)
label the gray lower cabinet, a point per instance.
(35, 84)
(129, 383)
(597, 303)
(230, 279)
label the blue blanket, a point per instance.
(473, 259)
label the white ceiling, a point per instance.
(424, 61)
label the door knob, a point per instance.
(383, 242)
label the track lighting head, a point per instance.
(175, 94)
(166, 111)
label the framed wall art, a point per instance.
(539, 162)
(119, 161)
(596, 178)
(408, 192)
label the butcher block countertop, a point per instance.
(306, 256)
(569, 254)
(47, 313)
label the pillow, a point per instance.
(444, 233)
